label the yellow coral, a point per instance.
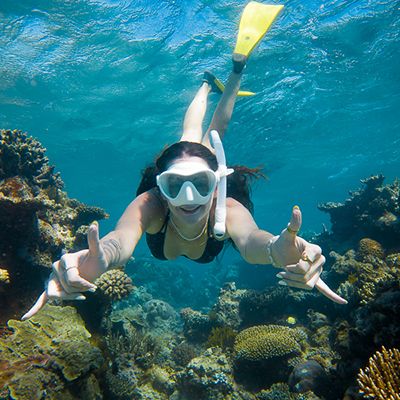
(381, 378)
(266, 341)
(4, 276)
(369, 249)
(114, 284)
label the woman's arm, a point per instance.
(300, 260)
(243, 230)
(145, 214)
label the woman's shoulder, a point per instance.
(156, 207)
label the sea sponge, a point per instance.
(369, 249)
(263, 342)
(114, 284)
(380, 380)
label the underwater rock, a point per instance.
(114, 284)
(206, 377)
(381, 378)
(307, 376)
(38, 220)
(161, 316)
(46, 353)
(372, 211)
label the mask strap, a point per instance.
(222, 172)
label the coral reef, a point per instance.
(265, 354)
(381, 378)
(263, 342)
(114, 284)
(364, 273)
(372, 211)
(226, 310)
(207, 377)
(196, 326)
(281, 391)
(222, 336)
(38, 220)
(47, 352)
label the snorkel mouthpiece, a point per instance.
(223, 172)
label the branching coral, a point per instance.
(223, 337)
(381, 378)
(114, 284)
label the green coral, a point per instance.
(51, 347)
(223, 336)
(264, 342)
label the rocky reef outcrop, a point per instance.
(372, 211)
(37, 218)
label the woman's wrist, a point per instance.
(112, 252)
(268, 247)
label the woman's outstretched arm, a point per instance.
(300, 260)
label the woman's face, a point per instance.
(191, 213)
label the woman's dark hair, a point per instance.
(238, 183)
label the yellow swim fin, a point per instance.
(218, 87)
(255, 21)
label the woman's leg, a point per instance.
(223, 112)
(192, 124)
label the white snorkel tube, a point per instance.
(223, 172)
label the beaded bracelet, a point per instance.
(270, 259)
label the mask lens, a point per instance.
(174, 184)
(202, 182)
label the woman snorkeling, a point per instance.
(189, 203)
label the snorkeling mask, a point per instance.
(187, 183)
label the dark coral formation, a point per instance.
(372, 211)
(38, 219)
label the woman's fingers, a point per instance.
(67, 273)
(40, 302)
(294, 225)
(329, 293)
(93, 239)
(303, 271)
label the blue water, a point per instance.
(105, 84)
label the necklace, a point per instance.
(183, 236)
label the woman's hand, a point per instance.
(73, 273)
(301, 260)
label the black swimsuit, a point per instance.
(156, 245)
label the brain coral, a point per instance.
(114, 284)
(263, 342)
